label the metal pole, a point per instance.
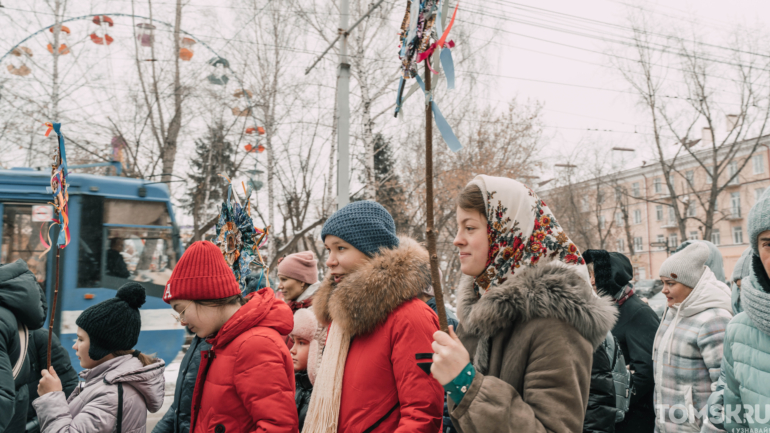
(343, 119)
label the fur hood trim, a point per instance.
(365, 297)
(552, 290)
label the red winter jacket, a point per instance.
(246, 380)
(378, 305)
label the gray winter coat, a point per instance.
(177, 419)
(19, 303)
(93, 406)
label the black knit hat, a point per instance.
(612, 271)
(114, 324)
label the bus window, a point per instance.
(126, 240)
(146, 256)
(21, 236)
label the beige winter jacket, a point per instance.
(532, 341)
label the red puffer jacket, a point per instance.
(246, 380)
(378, 306)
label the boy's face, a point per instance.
(299, 353)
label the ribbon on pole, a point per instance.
(59, 192)
(443, 126)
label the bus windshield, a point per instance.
(134, 243)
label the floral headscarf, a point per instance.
(522, 231)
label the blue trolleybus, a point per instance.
(121, 230)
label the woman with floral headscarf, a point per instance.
(530, 322)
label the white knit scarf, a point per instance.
(324, 411)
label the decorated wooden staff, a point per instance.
(60, 198)
(422, 22)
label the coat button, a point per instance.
(219, 428)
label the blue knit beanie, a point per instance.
(365, 225)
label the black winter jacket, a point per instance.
(177, 419)
(635, 331)
(302, 396)
(19, 303)
(600, 415)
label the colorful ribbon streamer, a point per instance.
(443, 126)
(59, 191)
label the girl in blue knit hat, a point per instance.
(369, 379)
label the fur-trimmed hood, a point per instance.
(552, 290)
(365, 297)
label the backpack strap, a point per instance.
(24, 343)
(379, 421)
(119, 424)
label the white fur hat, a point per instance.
(306, 328)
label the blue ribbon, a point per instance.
(398, 96)
(449, 67)
(443, 126)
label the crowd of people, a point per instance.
(545, 339)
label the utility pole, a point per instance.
(343, 111)
(343, 100)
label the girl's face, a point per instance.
(343, 257)
(763, 245)
(472, 241)
(291, 288)
(299, 353)
(81, 346)
(200, 320)
(675, 292)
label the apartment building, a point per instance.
(651, 219)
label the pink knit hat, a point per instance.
(306, 327)
(300, 266)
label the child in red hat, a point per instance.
(246, 379)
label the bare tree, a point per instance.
(713, 87)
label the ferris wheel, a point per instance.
(110, 69)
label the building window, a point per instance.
(638, 244)
(735, 205)
(692, 208)
(671, 215)
(715, 239)
(600, 196)
(621, 245)
(618, 193)
(738, 235)
(601, 221)
(758, 194)
(732, 169)
(690, 176)
(635, 189)
(709, 175)
(673, 241)
(658, 185)
(661, 240)
(659, 212)
(637, 216)
(619, 219)
(759, 164)
(693, 236)
(671, 181)
(585, 204)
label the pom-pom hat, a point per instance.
(202, 273)
(114, 324)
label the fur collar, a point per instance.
(366, 297)
(549, 290)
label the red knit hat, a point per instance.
(201, 273)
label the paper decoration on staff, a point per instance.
(236, 236)
(59, 191)
(422, 21)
